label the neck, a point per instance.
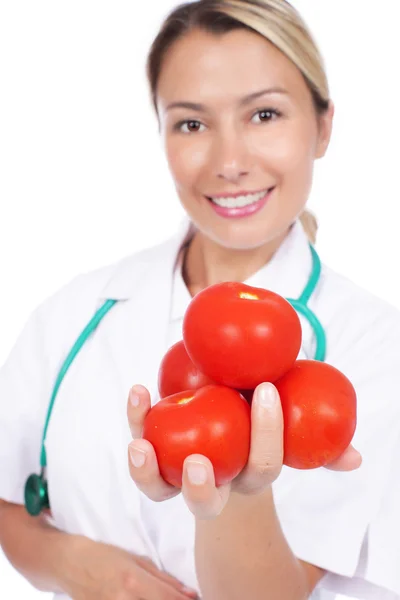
(207, 263)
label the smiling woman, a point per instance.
(244, 111)
(212, 129)
(217, 136)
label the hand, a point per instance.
(98, 571)
(204, 499)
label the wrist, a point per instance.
(72, 551)
(239, 508)
(242, 502)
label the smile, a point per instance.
(238, 201)
(239, 205)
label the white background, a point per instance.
(83, 181)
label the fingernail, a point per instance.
(189, 591)
(134, 399)
(266, 395)
(197, 473)
(138, 457)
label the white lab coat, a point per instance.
(348, 523)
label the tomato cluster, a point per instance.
(235, 337)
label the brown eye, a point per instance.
(266, 115)
(193, 125)
(188, 126)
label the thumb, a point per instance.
(139, 404)
(350, 460)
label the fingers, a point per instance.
(143, 464)
(143, 468)
(139, 403)
(266, 450)
(202, 497)
(164, 591)
(350, 460)
(151, 587)
(150, 567)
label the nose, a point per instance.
(230, 157)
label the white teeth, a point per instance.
(239, 201)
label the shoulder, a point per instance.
(349, 305)
(363, 333)
(89, 288)
(62, 316)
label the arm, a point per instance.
(240, 549)
(242, 553)
(35, 548)
(55, 561)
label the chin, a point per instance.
(238, 236)
(242, 238)
(270, 225)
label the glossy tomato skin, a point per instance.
(241, 336)
(319, 407)
(213, 421)
(177, 373)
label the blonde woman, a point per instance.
(244, 110)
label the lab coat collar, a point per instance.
(133, 271)
(286, 273)
(137, 329)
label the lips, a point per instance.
(240, 193)
(239, 199)
(241, 205)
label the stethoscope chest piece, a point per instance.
(36, 495)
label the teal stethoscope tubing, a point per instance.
(301, 306)
(36, 496)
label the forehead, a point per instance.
(202, 65)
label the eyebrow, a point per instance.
(242, 102)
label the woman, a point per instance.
(243, 106)
(241, 113)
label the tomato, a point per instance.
(319, 407)
(214, 421)
(177, 372)
(241, 336)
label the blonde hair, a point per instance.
(276, 20)
(310, 225)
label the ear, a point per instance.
(325, 122)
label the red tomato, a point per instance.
(213, 421)
(319, 407)
(241, 336)
(177, 372)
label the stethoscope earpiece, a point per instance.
(36, 496)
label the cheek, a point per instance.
(287, 151)
(186, 160)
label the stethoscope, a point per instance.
(36, 490)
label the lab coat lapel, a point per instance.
(287, 274)
(137, 329)
(138, 324)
